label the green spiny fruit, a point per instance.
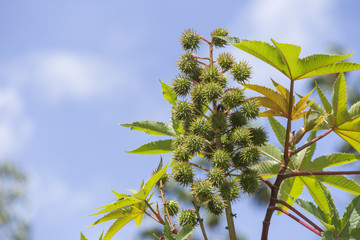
(177, 141)
(241, 136)
(241, 72)
(187, 218)
(225, 61)
(221, 159)
(190, 41)
(181, 153)
(197, 94)
(188, 65)
(250, 109)
(258, 136)
(216, 205)
(216, 176)
(230, 191)
(203, 190)
(173, 207)
(212, 91)
(250, 155)
(182, 110)
(237, 119)
(181, 85)
(183, 173)
(201, 127)
(211, 74)
(219, 32)
(194, 143)
(233, 98)
(218, 121)
(249, 181)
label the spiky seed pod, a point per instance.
(221, 159)
(233, 98)
(194, 143)
(225, 61)
(177, 141)
(219, 32)
(238, 160)
(181, 85)
(203, 190)
(216, 176)
(222, 81)
(181, 153)
(210, 74)
(187, 64)
(218, 121)
(182, 110)
(212, 91)
(230, 191)
(250, 109)
(237, 119)
(190, 41)
(249, 181)
(187, 218)
(250, 155)
(258, 136)
(241, 136)
(183, 173)
(241, 71)
(173, 207)
(216, 205)
(197, 94)
(201, 127)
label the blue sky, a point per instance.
(72, 70)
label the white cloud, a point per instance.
(58, 75)
(15, 126)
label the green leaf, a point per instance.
(117, 225)
(267, 169)
(156, 147)
(156, 238)
(82, 237)
(285, 58)
(331, 160)
(153, 180)
(339, 100)
(118, 213)
(309, 207)
(278, 129)
(168, 93)
(351, 217)
(316, 190)
(185, 232)
(354, 111)
(101, 236)
(167, 231)
(341, 182)
(323, 99)
(152, 127)
(290, 188)
(118, 204)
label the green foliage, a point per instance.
(217, 155)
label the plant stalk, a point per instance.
(230, 221)
(201, 221)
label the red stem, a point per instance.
(300, 214)
(312, 141)
(327, 173)
(298, 220)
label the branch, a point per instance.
(164, 203)
(299, 214)
(152, 217)
(161, 220)
(326, 173)
(298, 220)
(197, 210)
(198, 166)
(312, 141)
(267, 182)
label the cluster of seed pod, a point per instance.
(213, 117)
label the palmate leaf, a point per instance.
(82, 236)
(185, 232)
(278, 129)
(344, 123)
(278, 101)
(151, 127)
(285, 58)
(156, 147)
(302, 161)
(129, 207)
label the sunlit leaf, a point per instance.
(168, 93)
(156, 147)
(151, 127)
